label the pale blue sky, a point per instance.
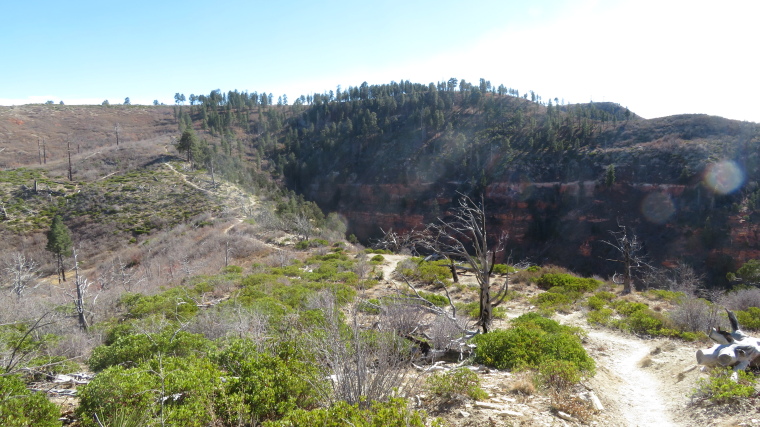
(656, 57)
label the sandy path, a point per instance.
(636, 390)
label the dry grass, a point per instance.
(578, 408)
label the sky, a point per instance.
(656, 57)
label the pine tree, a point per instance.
(59, 243)
(187, 142)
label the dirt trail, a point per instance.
(636, 390)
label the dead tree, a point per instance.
(629, 248)
(68, 150)
(81, 284)
(463, 235)
(22, 273)
(734, 348)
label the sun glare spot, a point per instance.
(724, 177)
(657, 207)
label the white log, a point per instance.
(709, 357)
(726, 356)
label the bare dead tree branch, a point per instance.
(629, 249)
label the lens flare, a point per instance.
(657, 207)
(724, 177)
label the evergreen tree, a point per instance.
(59, 243)
(609, 178)
(187, 142)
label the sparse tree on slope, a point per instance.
(59, 243)
(187, 143)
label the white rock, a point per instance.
(510, 413)
(489, 405)
(464, 414)
(565, 416)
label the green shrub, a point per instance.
(435, 299)
(532, 341)
(428, 273)
(186, 386)
(558, 374)
(551, 301)
(601, 317)
(661, 294)
(393, 413)
(596, 303)
(472, 309)
(503, 269)
(626, 308)
(377, 259)
(607, 296)
(568, 282)
(533, 268)
(750, 318)
(131, 350)
(264, 386)
(456, 383)
(173, 304)
(370, 306)
(20, 407)
(719, 388)
(512, 348)
(232, 269)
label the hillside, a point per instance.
(394, 157)
(237, 282)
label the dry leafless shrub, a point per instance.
(524, 384)
(578, 408)
(695, 315)
(443, 331)
(280, 258)
(231, 321)
(362, 266)
(401, 317)
(741, 299)
(363, 365)
(681, 278)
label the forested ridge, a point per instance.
(412, 146)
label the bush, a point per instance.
(20, 407)
(428, 273)
(455, 384)
(393, 413)
(503, 269)
(741, 299)
(661, 294)
(532, 341)
(568, 282)
(377, 259)
(601, 317)
(435, 299)
(172, 304)
(472, 309)
(595, 303)
(265, 386)
(371, 306)
(719, 388)
(185, 386)
(558, 374)
(694, 315)
(131, 350)
(749, 319)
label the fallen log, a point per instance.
(735, 348)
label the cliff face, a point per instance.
(565, 223)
